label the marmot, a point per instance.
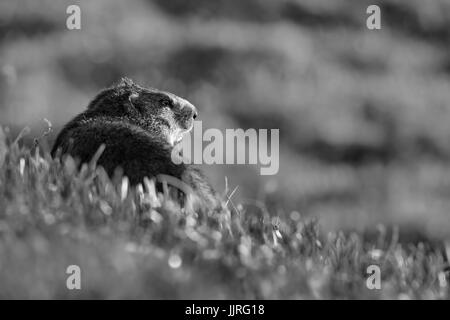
(138, 128)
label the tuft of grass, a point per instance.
(136, 243)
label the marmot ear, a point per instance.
(126, 82)
(132, 98)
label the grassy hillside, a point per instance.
(363, 115)
(364, 148)
(140, 244)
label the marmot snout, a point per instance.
(138, 127)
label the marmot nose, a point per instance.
(188, 108)
(193, 110)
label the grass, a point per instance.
(363, 115)
(139, 244)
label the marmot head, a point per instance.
(158, 112)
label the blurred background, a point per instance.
(363, 114)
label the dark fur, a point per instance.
(138, 127)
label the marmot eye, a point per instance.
(166, 103)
